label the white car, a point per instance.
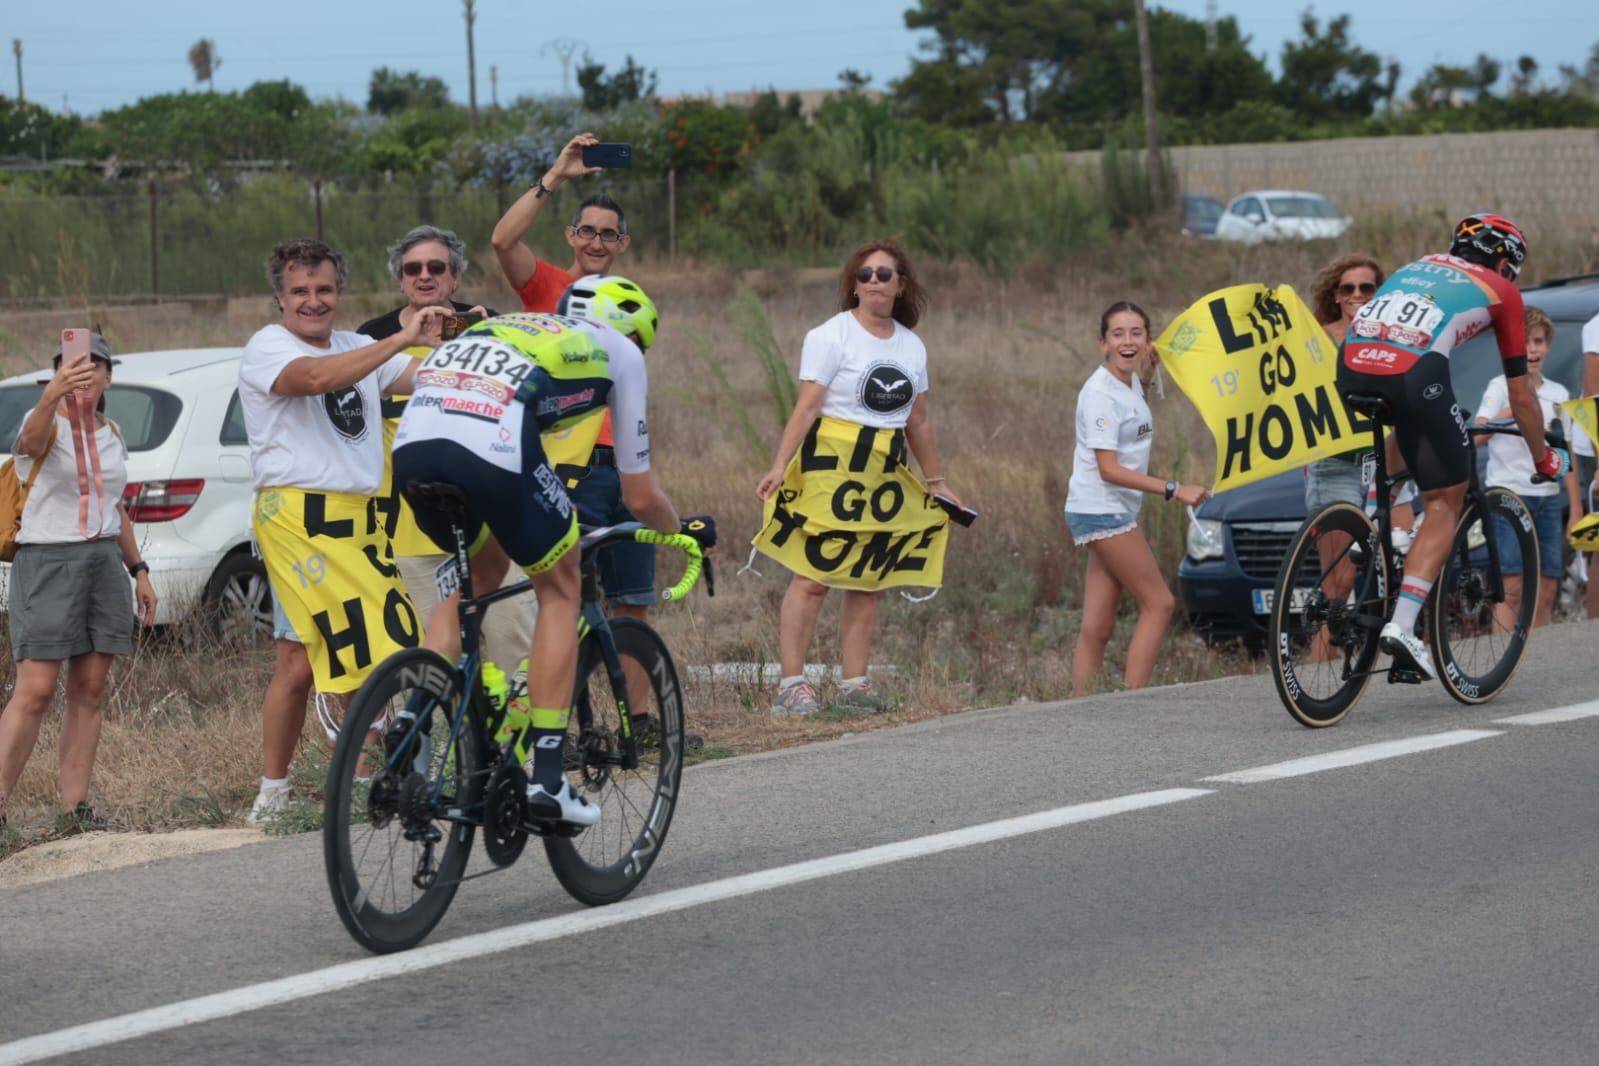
(189, 491)
(1280, 214)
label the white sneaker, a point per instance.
(268, 801)
(1407, 650)
(573, 808)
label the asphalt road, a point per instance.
(1054, 883)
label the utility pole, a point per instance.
(494, 91)
(563, 47)
(471, 64)
(1210, 25)
(1146, 74)
(16, 50)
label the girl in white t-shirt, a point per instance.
(70, 601)
(863, 365)
(1110, 467)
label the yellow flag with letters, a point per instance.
(850, 514)
(1260, 370)
(1585, 412)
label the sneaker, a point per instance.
(268, 801)
(565, 805)
(80, 819)
(865, 697)
(799, 698)
(1407, 649)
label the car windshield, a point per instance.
(145, 416)
(1202, 209)
(1302, 207)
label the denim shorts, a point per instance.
(1091, 527)
(1334, 481)
(1545, 511)
(282, 628)
(627, 571)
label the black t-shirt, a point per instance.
(388, 325)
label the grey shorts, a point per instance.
(70, 599)
(1334, 481)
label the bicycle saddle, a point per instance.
(438, 493)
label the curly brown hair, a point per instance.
(1324, 291)
(909, 305)
(307, 254)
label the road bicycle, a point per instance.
(415, 773)
(1338, 583)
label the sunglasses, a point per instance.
(606, 236)
(435, 267)
(884, 274)
(1365, 288)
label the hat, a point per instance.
(99, 348)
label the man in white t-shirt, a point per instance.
(311, 401)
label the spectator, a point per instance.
(69, 593)
(863, 366)
(1510, 466)
(585, 463)
(311, 397)
(428, 263)
(1110, 474)
(1583, 449)
(1343, 287)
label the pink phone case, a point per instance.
(74, 346)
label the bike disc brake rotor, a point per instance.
(592, 757)
(504, 814)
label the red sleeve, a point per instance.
(543, 290)
(1509, 318)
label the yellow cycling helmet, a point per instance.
(614, 300)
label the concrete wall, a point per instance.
(1541, 178)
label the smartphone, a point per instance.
(608, 154)
(452, 326)
(963, 516)
(74, 346)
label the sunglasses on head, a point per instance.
(1365, 288)
(435, 267)
(884, 274)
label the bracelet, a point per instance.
(140, 567)
(933, 479)
(541, 191)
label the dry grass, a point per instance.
(1007, 359)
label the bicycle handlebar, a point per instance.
(637, 531)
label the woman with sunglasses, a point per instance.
(1110, 476)
(864, 366)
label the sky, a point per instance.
(108, 54)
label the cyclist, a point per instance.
(475, 417)
(1398, 347)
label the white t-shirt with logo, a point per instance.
(1509, 461)
(50, 515)
(1110, 417)
(870, 381)
(332, 442)
(1580, 444)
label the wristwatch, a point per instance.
(140, 567)
(1171, 489)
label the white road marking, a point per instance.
(337, 978)
(1553, 714)
(1334, 760)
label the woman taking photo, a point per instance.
(862, 367)
(1110, 476)
(69, 599)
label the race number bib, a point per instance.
(447, 578)
(1405, 318)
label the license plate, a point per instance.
(446, 578)
(1264, 598)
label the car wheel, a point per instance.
(239, 598)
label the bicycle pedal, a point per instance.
(1400, 676)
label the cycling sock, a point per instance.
(548, 736)
(270, 783)
(1412, 594)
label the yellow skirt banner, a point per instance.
(1584, 412)
(1261, 370)
(851, 515)
(332, 570)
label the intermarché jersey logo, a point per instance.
(885, 388)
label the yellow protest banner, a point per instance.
(1260, 370)
(1585, 536)
(1584, 412)
(851, 515)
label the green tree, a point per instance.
(205, 61)
(392, 90)
(601, 93)
(1450, 86)
(1584, 80)
(1326, 75)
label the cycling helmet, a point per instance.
(613, 300)
(1485, 238)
